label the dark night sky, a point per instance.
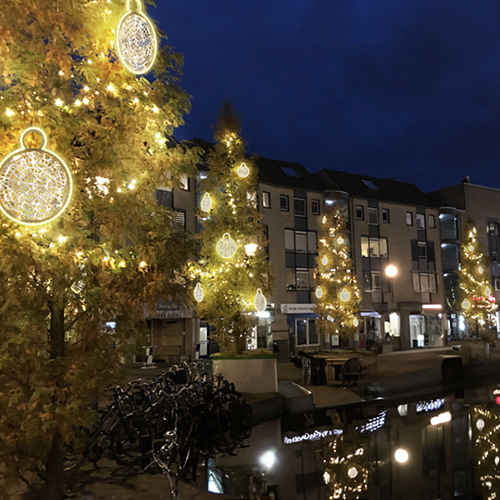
(408, 89)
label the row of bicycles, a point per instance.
(180, 417)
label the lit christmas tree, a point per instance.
(486, 428)
(478, 305)
(232, 273)
(338, 297)
(83, 241)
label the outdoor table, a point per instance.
(332, 366)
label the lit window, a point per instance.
(409, 219)
(432, 221)
(266, 199)
(420, 218)
(184, 182)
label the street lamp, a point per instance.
(401, 456)
(391, 271)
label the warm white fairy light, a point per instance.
(136, 42)
(35, 183)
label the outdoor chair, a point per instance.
(350, 372)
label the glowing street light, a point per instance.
(268, 459)
(401, 456)
(391, 271)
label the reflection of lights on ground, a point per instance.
(401, 456)
(268, 459)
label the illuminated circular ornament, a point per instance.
(259, 301)
(480, 270)
(198, 293)
(78, 286)
(243, 170)
(206, 203)
(497, 460)
(487, 291)
(466, 304)
(344, 295)
(352, 472)
(226, 247)
(480, 424)
(324, 260)
(319, 292)
(355, 321)
(136, 41)
(340, 240)
(35, 183)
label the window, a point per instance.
(376, 281)
(360, 213)
(385, 216)
(266, 199)
(496, 284)
(299, 279)
(315, 207)
(373, 216)
(284, 203)
(370, 185)
(374, 247)
(420, 218)
(422, 250)
(409, 219)
(424, 283)
(302, 279)
(184, 182)
(432, 221)
(299, 207)
(165, 198)
(305, 331)
(179, 219)
(300, 241)
(494, 256)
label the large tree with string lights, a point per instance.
(232, 274)
(83, 145)
(478, 305)
(337, 292)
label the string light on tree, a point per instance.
(136, 40)
(35, 183)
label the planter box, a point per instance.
(253, 376)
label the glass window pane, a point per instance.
(284, 203)
(302, 279)
(373, 216)
(290, 279)
(359, 212)
(420, 218)
(374, 247)
(364, 247)
(299, 205)
(376, 281)
(409, 219)
(385, 215)
(289, 240)
(313, 335)
(416, 283)
(301, 242)
(432, 221)
(301, 331)
(424, 282)
(422, 251)
(311, 241)
(432, 283)
(383, 247)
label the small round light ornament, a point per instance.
(259, 301)
(226, 247)
(198, 293)
(243, 170)
(471, 248)
(35, 183)
(480, 269)
(352, 472)
(344, 295)
(355, 321)
(324, 219)
(319, 292)
(466, 304)
(340, 240)
(480, 424)
(324, 260)
(206, 203)
(136, 40)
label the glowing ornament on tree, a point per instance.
(226, 247)
(471, 248)
(198, 293)
(344, 295)
(259, 301)
(243, 170)
(136, 41)
(35, 183)
(206, 203)
(466, 304)
(324, 260)
(324, 219)
(480, 270)
(355, 322)
(319, 292)
(340, 240)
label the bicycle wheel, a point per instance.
(130, 441)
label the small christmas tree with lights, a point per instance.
(232, 272)
(338, 297)
(476, 301)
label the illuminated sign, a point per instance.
(313, 436)
(432, 405)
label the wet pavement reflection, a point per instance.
(443, 446)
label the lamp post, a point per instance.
(391, 271)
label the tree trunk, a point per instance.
(55, 458)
